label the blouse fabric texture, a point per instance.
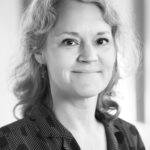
(41, 130)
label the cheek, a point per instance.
(110, 63)
(59, 64)
(108, 60)
(61, 58)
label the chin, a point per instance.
(87, 93)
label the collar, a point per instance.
(47, 122)
(49, 126)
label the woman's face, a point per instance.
(80, 52)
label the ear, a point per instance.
(40, 58)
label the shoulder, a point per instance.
(16, 127)
(127, 128)
(128, 133)
(122, 124)
(15, 135)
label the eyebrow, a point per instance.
(77, 34)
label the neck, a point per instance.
(75, 114)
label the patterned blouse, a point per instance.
(42, 131)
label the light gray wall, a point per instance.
(9, 14)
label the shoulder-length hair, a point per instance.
(32, 84)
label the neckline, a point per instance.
(47, 121)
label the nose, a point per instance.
(87, 54)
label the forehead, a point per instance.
(75, 15)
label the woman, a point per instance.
(66, 80)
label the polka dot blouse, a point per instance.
(42, 131)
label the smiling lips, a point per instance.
(87, 71)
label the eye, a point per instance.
(102, 41)
(70, 42)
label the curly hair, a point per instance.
(38, 19)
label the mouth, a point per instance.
(86, 71)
